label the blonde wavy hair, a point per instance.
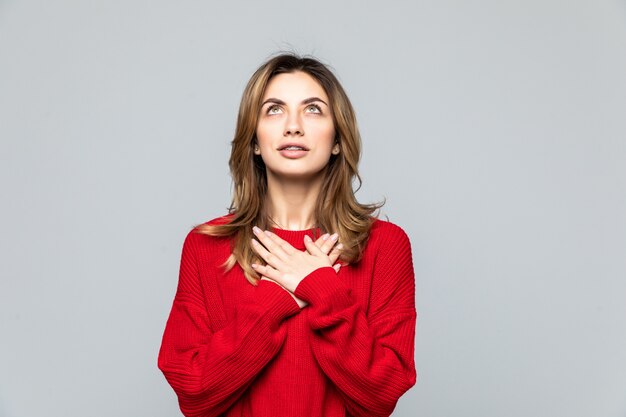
(336, 210)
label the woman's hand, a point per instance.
(286, 265)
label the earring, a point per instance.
(335, 150)
(256, 148)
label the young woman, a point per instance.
(299, 301)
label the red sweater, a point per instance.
(234, 349)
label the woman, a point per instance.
(298, 302)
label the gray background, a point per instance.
(496, 130)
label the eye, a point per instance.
(313, 108)
(274, 109)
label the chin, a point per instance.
(300, 175)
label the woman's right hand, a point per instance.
(325, 244)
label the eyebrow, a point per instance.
(306, 101)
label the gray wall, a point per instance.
(495, 129)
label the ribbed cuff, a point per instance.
(278, 302)
(322, 287)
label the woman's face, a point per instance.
(295, 132)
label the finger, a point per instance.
(334, 254)
(267, 272)
(265, 237)
(320, 240)
(285, 246)
(267, 256)
(329, 243)
(336, 267)
(264, 278)
(311, 247)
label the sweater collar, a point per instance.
(296, 237)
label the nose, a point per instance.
(293, 126)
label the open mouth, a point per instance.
(289, 147)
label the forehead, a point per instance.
(294, 86)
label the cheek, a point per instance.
(331, 136)
(324, 132)
(264, 132)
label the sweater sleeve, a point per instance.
(368, 358)
(209, 369)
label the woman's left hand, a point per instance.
(287, 265)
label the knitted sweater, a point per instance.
(234, 349)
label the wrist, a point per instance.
(321, 284)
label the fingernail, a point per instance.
(256, 230)
(254, 266)
(325, 237)
(340, 246)
(254, 242)
(334, 237)
(268, 233)
(307, 238)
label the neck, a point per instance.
(291, 202)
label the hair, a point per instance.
(336, 210)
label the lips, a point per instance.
(294, 145)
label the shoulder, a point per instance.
(199, 235)
(384, 230)
(201, 227)
(388, 240)
(225, 219)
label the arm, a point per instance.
(369, 358)
(208, 369)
